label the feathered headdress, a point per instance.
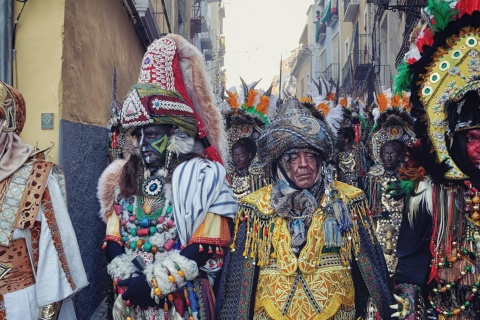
(248, 112)
(322, 99)
(441, 66)
(392, 122)
(173, 88)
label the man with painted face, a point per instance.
(167, 206)
(386, 211)
(244, 180)
(303, 247)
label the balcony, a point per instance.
(358, 66)
(332, 73)
(198, 25)
(206, 41)
(320, 32)
(351, 8)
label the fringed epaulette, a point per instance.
(107, 183)
(256, 212)
(357, 203)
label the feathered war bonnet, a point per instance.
(442, 65)
(12, 109)
(173, 88)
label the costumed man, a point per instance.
(351, 150)
(245, 120)
(343, 116)
(392, 130)
(40, 264)
(168, 206)
(303, 247)
(439, 239)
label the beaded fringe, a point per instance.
(258, 244)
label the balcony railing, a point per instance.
(332, 73)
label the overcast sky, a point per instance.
(257, 34)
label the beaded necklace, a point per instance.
(148, 224)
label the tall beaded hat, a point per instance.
(392, 122)
(441, 66)
(12, 108)
(173, 88)
(248, 112)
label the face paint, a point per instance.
(153, 141)
(473, 146)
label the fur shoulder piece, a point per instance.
(109, 180)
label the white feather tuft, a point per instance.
(334, 118)
(376, 114)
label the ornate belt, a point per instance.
(16, 271)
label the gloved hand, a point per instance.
(138, 291)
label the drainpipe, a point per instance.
(6, 34)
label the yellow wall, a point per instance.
(37, 68)
(66, 52)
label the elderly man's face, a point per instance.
(302, 169)
(153, 141)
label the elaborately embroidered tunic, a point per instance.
(316, 284)
(347, 167)
(193, 208)
(246, 181)
(386, 212)
(40, 260)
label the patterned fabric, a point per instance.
(35, 234)
(57, 240)
(17, 259)
(243, 266)
(195, 191)
(31, 199)
(3, 311)
(147, 104)
(294, 126)
(11, 202)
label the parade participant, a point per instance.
(347, 157)
(303, 247)
(40, 264)
(438, 245)
(392, 130)
(247, 117)
(167, 205)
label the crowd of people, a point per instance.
(317, 207)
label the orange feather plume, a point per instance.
(342, 101)
(382, 101)
(232, 99)
(263, 105)
(323, 108)
(251, 97)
